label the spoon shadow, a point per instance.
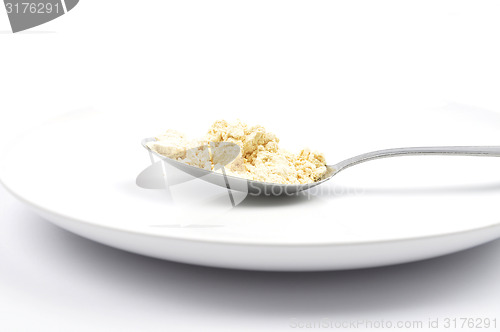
(430, 190)
(253, 201)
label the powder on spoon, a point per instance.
(260, 156)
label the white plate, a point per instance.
(79, 172)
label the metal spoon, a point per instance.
(267, 188)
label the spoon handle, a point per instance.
(485, 151)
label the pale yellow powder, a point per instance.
(175, 145)
(260, 156)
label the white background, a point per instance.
(275, 61)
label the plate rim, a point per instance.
(260, 243)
